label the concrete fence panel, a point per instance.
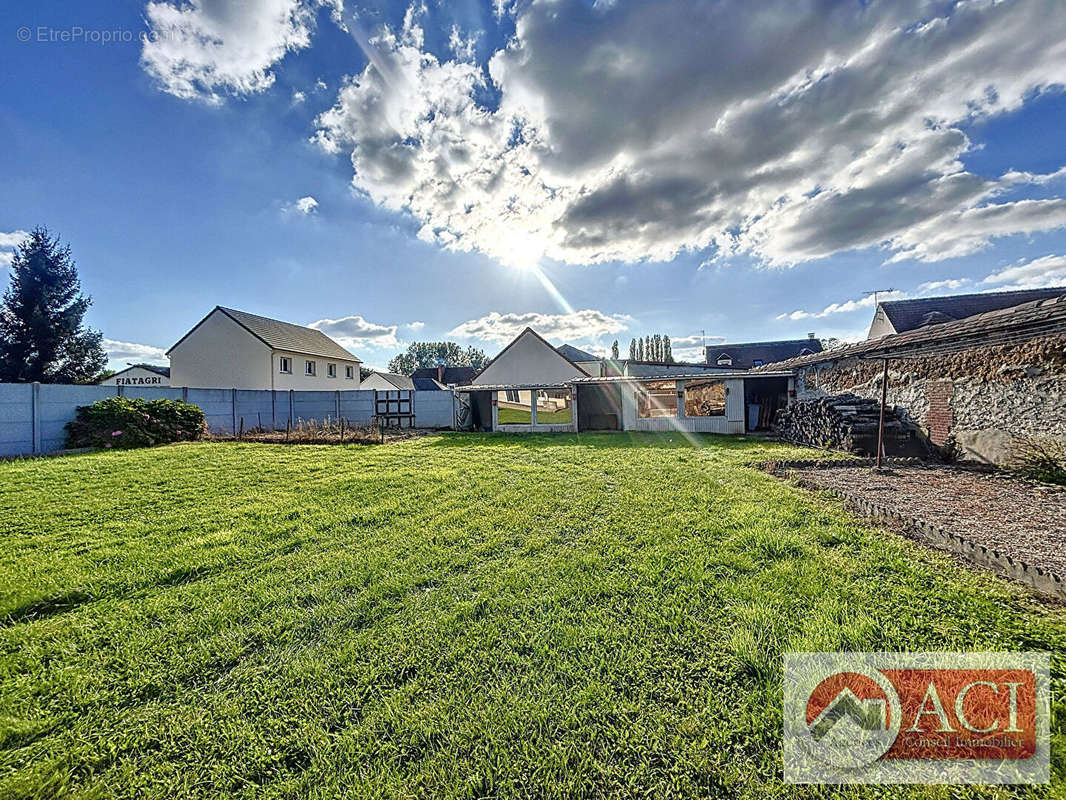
(16, 419)
(218, 407)
(56, 406)
(152, 392)
(357, 405)
(33, 417)
(314, 405)
(434, 409)
(256, 407)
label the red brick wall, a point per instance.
(939, 419)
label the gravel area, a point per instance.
(1020, 518)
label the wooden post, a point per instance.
(881, 419)
(240, 430)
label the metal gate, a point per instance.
(394, 408)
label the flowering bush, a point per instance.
(124, 422)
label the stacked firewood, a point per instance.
(848, 422)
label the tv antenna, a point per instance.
(876, 292)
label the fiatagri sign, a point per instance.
(917, 718)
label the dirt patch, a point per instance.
(1019, 518)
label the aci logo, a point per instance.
(916, 718)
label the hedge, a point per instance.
(125, 422)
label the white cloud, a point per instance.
(951, 284)
(298, 97)
(305, 206)
(635, 131)
(205, 49)
(415, 326)
(1037, 274)
(119, 354)
(354, 332)
(578, 326)
(844, 306)
(8, 243)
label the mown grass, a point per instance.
(455, 616)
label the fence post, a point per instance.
(292, 413)
(273, 410)
(185, 394)
(35, 416)
(337, 403)
(233, 408)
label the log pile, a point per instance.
(849, 422)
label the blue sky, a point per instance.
(666, 167)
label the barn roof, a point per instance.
(907, 315)
(1035, 318)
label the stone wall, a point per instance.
(984, 397)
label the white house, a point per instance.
(529, 358)
(139, 375)
(235, 349)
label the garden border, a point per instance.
(1037, 578)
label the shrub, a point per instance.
(124, 422)
(1040, 459)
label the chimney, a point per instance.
(440, 372)
(810, 335)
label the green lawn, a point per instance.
(453, 616)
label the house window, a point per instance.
(285, 365)
(309, 368)
(704, 399)
(349, 372)
(331, 370)
(657, 399)
(757, 362)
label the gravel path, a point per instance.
(1022, 519)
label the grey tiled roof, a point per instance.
(1017, 323)
(397, 380)
(906, 315)
(745, 354)
(280, 335)
(460, 376)
(574, 354)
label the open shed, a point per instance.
(725, 402)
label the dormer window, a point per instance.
(725, 360)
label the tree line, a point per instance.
(655, 347)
